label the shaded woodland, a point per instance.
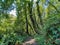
(38, 20)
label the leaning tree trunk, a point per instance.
(31, 17)
(39, 14)
(25, 10)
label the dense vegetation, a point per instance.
(39, 19)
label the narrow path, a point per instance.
(30, 41)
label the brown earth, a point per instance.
(29, 41)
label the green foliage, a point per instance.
(11, 38)
(40, 39)
(57, 41)
(32, 18)
(52, 27)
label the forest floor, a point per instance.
(30, 41)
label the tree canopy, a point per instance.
(32, 18)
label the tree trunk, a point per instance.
(32, 20)
(39, 14)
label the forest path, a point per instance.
(30, 41)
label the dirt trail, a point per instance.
(30, 41)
